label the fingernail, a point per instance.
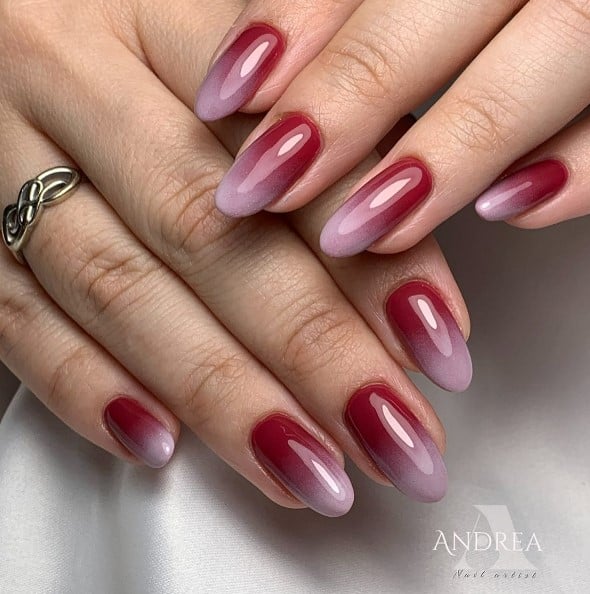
(376, 208)
(269, 166)
(239, 72)
(141, 433)
(431, 334)
(522, 190)
(398, 444)
(303, 465)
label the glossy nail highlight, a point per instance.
(141, 433)
(303, 465)
(376, 208)
(239, 72)
(522, 190)
(397, 442)
(269, 166)
(430, 333)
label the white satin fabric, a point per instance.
(74, 520)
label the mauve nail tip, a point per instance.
(336, 247)
(160, 456)
(206, 114)
(487, 212)
(432, 493)
(230, 205)
(454, 379)
(335, 508)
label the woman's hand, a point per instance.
(354, 67)
(143, 306)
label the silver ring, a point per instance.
(50, 187)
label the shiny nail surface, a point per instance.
(425, 324)
(522, 190)
(376, 208)
(303, 465)
(140, 432)
(397, 442)
(269, 166)
(239, 72)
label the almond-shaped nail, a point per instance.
(397, 442)
(522, 190)
(239, 72)
(139, 431)
(431, 334)
(376, 208)
(302, 465)
(269, 166)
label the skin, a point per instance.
(136, 285)
(523, 68)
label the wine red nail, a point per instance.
(376, 208)
(239, 72)
(141, 433)
(303, 465)
(397, 442)
(431, 334)
(269, 166)
(522, 190)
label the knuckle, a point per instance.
(186, 219)
(482, 121)
(570, 17)
(31, 29)
(362, 65)
(111, 277)
(219, 374)
(15, 315)
(62, 378)
(320, 336)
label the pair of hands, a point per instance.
(144, 305)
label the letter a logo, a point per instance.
(501, 524)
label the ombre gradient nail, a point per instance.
(303, 465)
(376, 208)
(239, 72)
(269, 166)
(431, 334)
(522, 190)
(397, 442)
(141, 433)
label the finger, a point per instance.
(474, 132)
(548, 186)
(75, 378)
(151, 322)
(363, 81)
(309, 336)
(268, 44)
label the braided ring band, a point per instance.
(49, 187)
